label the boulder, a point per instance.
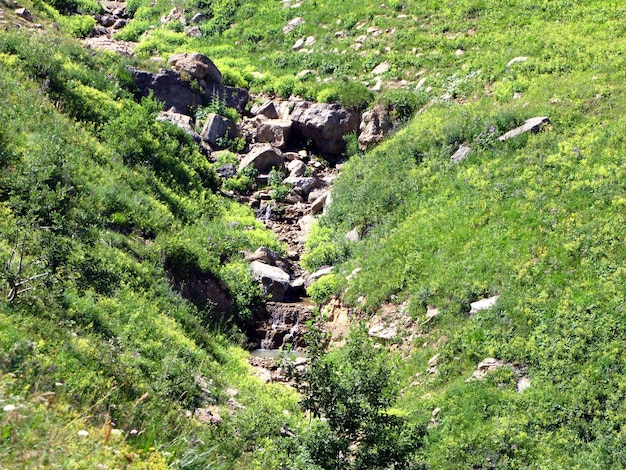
(296, 168)
(381, 68)
(180, 120)
(533, 125)
(24, 13)
(217, 127)
(263, 158)
(303, 184)
(461, 154)
(227, 171)
(269, 256)
(177, 94)
(273, 280)
(274, 131)
(319, 203)
(375, 125)
(324, 124)
(197, 65)
(194, 32)
(267, 109)
(293, 24)
(483, 304)
(205, 415)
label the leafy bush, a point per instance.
(353, 390)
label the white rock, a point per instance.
(483, 304)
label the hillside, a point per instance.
(489, 268)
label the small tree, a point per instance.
(350, 392)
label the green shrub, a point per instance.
(326, 287)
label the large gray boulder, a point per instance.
(197, 65)
(217, 127)
(325, 125)
(263, 158)
(273, 280)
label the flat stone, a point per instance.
(483, 304)
(461, 154)
(533, 125)
(516, 60)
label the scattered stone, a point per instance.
(263, 158)
(516, 60)
(381, 332)
(296, 168)
(102, 42)
(24, 13)
(522, 384)
(269, 256)
(194, 32)
(293, 24)
(303, 184)
(267, 109)
(435, 412)
(208, 416)
(485, 366)
(274, 131)
(198, 18)
(298, 44)
(182, 121)
(483, 304)
(227, 171)
(461, 154)
(353, 235)
(319, 203)
(375, 125)
(432, 364)
(197, 65)
(310, 40)
(533, 125)
(320, 273)
(119, 24)
(381, 68)
(431, 312)
(217, 127)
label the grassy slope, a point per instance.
(538, 220)
(100, 199)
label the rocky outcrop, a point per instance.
(178, 94)
(325, 125)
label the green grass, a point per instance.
(101, 221)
